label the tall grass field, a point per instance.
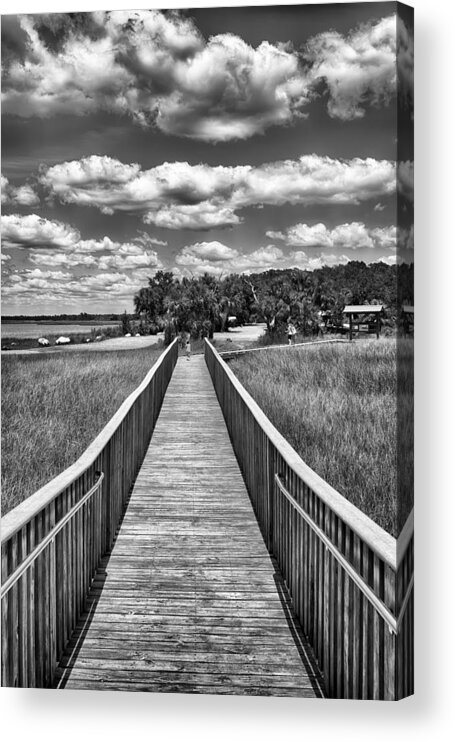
(54, 406)
(337, 407)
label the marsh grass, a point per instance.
(54, 406)
(337, 406)
(405, 428)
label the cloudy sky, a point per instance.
(218, 140)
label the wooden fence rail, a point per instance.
(351, 583)
(228, 353)
(52, 542)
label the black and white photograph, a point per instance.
(207, 392)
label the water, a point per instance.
(40, 329)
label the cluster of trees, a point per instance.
(202, 305)
(199, 306)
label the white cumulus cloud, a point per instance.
(353, 235)
(208, 251)
(52, 243)
(358, 69)
(179, 195)
(300, 259)
(23, 195)
(198, 259)
(159, 69)
(218, 259)
(33, 231)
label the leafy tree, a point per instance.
(151, 299)
(201, 305)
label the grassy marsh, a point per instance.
(54, 406)
(337, 406)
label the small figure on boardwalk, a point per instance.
(188, 349)
(292, 332)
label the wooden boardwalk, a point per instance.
(189, 599)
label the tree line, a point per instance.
(202, 305)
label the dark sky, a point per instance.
(219, 140)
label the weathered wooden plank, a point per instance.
(189, 599)
(260, 662)
(257, 674)
(260, 624)
(183, 683)
(137, 637)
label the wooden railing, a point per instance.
(52, 543)
(351, 583)
(311, 343)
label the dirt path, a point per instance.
(246, 334)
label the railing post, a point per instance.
(52, 599)
(270, 493)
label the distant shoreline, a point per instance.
(87, 322)
(26, 334)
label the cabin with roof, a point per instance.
(367, 318)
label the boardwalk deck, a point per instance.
(189, 599)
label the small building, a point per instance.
(367, 318)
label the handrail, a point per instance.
(278, 347)
(404, 537)
(405, 602)
(27, 563)
(378, 540)
(13, 521)
(392, 622)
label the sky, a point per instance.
(210, 140)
